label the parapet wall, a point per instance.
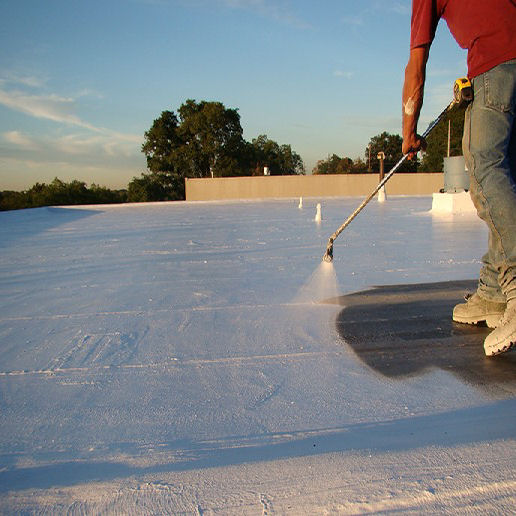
(341, 185)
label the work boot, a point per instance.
(477, 309)
(503, 337)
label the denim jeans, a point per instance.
(489, 146)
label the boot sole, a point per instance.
(498, 349)
(490, 320)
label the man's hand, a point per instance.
(412, 144)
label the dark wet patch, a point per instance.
(404, 330)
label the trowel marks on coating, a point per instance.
(321, 285)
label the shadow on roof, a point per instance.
(18, 224)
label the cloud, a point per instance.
(402, 8)
(86, 143)
(82, 150)
(49, 107)
(56, 108)
(61, 110)
(76, 144)
(356, 20)
(110, 144)
(31, 81)
(86, 92)
(343, 73)
(277, 11)
(20, 140)
(69, 143)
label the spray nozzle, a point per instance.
(328, 255)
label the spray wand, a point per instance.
(463, 94)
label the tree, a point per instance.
(206, 140)
(290, 162)
(161, 148)
(359, 167)
(280, 159)
(147, 188)
(337, 165)
(11, 200)
(212, 138)
(438, 140)
(160, 142)
(102, 195)
(60, 193)
(390, 144)
(329, 166)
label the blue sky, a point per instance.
(80, 82)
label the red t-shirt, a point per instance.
(487, 28)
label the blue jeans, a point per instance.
(489, 146)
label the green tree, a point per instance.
(102, 195)
(290, 161)
(160, 143)
(328, 166)
(11, 200)
(280, 159)
(161, 147)
(206, 140)
(390, 144)
(359, 167)
(148, 188)
(438, 140)
(60, 193)
(211, 138)
(335, 165)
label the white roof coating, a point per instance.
(178, 358)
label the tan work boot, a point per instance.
(476, 310)
(504, 337)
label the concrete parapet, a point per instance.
(341, 185)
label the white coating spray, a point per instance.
(318, 216)
(321, 287)
(382, 195)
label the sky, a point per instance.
(81, 82)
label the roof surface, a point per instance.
(198, 358)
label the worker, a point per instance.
(488, 31)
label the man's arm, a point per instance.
(412, 98)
